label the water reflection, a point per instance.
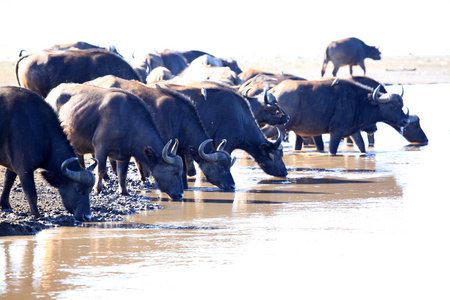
(359, 226)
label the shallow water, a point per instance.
(353, 226)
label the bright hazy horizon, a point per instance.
(226, 29)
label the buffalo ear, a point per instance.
(51, 179)
(264, 148)
(151, 155)
(193, 151)
(371, 100)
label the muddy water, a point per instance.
(353, 226)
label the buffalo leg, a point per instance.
(190, 166)
(143, 170)
(29, 188)
(324, 66)
(101, 170)
(10, 177)
(358, 140)
(184, 175)
(371, 138)
(298, 142)
(318, 141)
(81, 160)
(363, 66)
(336, 68)
(335, 139)
(122, 168)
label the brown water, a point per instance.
(353, 226)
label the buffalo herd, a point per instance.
(170, 109)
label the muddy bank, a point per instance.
(108, 206)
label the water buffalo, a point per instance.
(186, 127)
(339, 107)
(117, 124)
(81, 46)
(200, 72)
(159, 74)
(31, 138)
(227, 115)
(264, 106)
(349, 51)
(251, 76)
(44, 70)
(191, 55)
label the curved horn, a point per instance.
(207, 157)
(204, 93)
(82, 177)
(385, 98)
(403, 91)
(221, 145)
(69, 173)
(92, 167)
(175, 147)
(277, 143)
(165, 153)
(266, 97)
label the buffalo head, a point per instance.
(273, 113)
(216, 165)
(413, 133)
(167, 169)
(391, 108)
(270, 157)
(74, 187)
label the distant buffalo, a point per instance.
(349, 52)
(44, 70)
(81, 46)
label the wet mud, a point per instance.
(108, 206)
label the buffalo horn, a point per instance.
(277, 143)
(384, 98)
(78, 176)
(204, 93)
(402, 90)
(207, 157)
(222, 145)
(335, 82)
(92, 167)
(266, 98)
(165, 152)
(246, 91)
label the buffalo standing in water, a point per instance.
(339, 107)
(164, 104)
(226, 114)
(117, 124)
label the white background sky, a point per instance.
(285, 28)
